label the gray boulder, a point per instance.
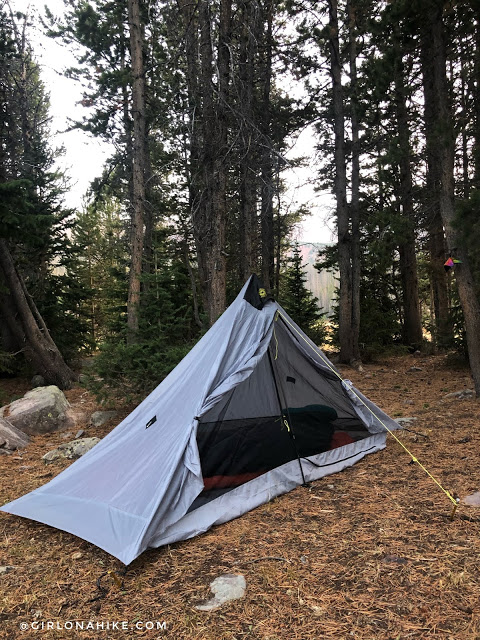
(71, 450)
(41, 410)
(101, 417)
(11, 438)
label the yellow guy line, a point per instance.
(319, 353)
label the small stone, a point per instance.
(417, 354)
(415, 369)
(71, 450)
(79, 434)
(303, 559)
(6, 569)
(464, 393)
(473, 500)
(394, 559)
(24, 467)
(330, 486)
(402, 421)
(77, 555)
(409, 402)
(99, 418)
(37, 381)
(318, 611)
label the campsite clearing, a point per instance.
(369, 553)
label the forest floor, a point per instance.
(369, 553)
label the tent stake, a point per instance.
(452, 515)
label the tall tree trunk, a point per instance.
(248, 146)
(355, 197)
(28, 327)
(267, 172)
(208, 144)
(436, 234)
(476, 103)
(139, 158)
(445, 146)
(408, 256)
(343, 226)
(464, 123)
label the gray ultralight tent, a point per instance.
(254, 410)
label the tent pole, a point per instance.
(286, 418)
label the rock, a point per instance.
(79, 434)
(71, 450)
(225, 588)
(408, 402)
(101, 417)
(415, 369)
(12, 437)
(37, 381)
(417, 354)
(464, 393)
(402, 421)
(41, 410)
(394, 559)
(77, 555)
(6, 569)
(473, 500)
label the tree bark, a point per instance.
(208, 144)
(445, 146)
(355, 197)
(340, 189)
(267, 173)
(249, 141)
(138, 172)
(28, 327)
(412, 325)
(436, 235)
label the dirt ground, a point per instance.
(369, 553)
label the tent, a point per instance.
(254, 410)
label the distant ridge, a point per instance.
(321, 283)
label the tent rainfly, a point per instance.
(254, 410)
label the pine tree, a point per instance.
(298, 300)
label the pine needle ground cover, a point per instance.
(369, 553)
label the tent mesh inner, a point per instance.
(234, 450)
